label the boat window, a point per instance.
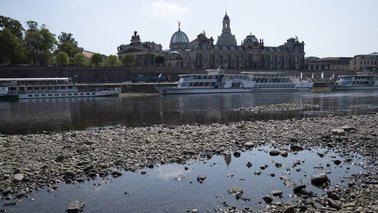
(63, 94)
(93, 93)
(43, 94)
(69, 94)
(75, 94)
(50, 94)
(56, 94)
(87, 93)
(29, 95)
(195, 84)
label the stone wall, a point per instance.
(88, 74)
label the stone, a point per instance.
(116, 173)
(333, 195)
(201, 179)
(60, 158)
(249, 144)
(284, 153)
(319, 179)
(267, 199)
(76, 207)
(298, 188)
(276, 193)
(274, 152)
(289, 210)
(295, 148)
(235, 190)
(249, 164)
(338, 131)
(19, 177)
(334, 204)
(307, 192)
(69, 174)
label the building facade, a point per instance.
(368, 62)
(144, 52)
(328, 63)
(202, 53)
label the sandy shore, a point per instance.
(29, 162)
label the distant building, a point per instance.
(328, 63)
(365, 62)
(251, 54)
(144, 52)
(202, 53)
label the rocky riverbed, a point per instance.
(30, 162)
(278, 107)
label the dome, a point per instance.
(179, 40)
(179, 37)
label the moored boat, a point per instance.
(360, 81)
(215, 81)
(32, 88)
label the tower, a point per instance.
(226, 39)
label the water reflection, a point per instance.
(64, 114)
(174, 187)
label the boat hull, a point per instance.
(104, 93)
(354, 88)
(177, 90)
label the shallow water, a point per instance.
(174, 187)
(31, 116)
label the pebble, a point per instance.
(76, 207)
(70, 156)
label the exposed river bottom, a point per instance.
(307, 165)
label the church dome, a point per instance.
(179, 40)
(179, 37)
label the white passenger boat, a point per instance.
(360, 81)
(215, 81)
(32, 88)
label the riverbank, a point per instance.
(30, 162)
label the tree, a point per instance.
(112, 61)
(12, 49)
(79, 59)
(62, 58)
(96, 59)
(159, 59)
(128, 60)
(41, 43)
(12, 25)
(67, 44)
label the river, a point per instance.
(46, 115)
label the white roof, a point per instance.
(34, 79)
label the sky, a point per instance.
(329, 28)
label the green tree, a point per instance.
(112, 61)
(12, 49)
(67, 44)
(96, 59)
(79, 59)
(13, 25)
(128, 60)
(62, 58)
(159, 59)
(41, 43)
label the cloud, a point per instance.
(162, 8)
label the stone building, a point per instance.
(144, 52)
(328, 63)
(368, 62)
(251, 54)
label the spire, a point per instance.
(179, 24)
